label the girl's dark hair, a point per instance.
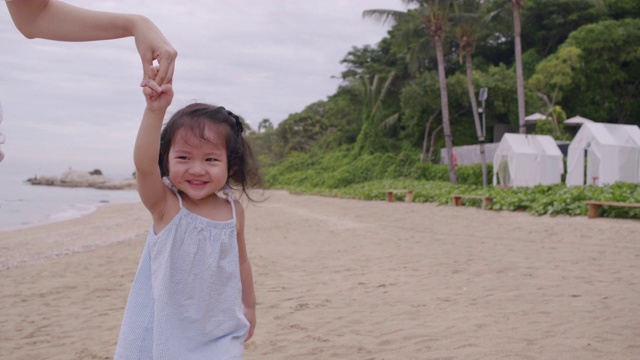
(242, 165)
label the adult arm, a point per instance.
(56, 20)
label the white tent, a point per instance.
(612, 153)
(534, 117)
(527, 160)
(576, 121)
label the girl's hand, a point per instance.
(250, 314)
(156, 100)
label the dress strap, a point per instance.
(229, 194)
(168, 184)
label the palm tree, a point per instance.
(373, 93)
(468, 24)
(434, 15)
(515, 6)
(517, 28)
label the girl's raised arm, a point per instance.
(153, 192)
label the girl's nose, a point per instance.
(196, 169)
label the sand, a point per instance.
(349, 279)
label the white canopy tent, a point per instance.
(529, 119)
(576, 121)
(527, 160)
(612, 153)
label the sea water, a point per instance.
(23, 205)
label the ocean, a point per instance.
(24, 205)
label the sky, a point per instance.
(79, 105)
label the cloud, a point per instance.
(79, 104)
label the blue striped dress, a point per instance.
(186, 299)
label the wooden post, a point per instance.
(485, 201)
(409, 197)
(390, 196)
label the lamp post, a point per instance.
(482, 96)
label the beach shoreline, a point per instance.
(350, 279)
(23, 205)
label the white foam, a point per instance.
(77, 210)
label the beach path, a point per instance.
(350, 279)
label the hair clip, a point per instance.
(239, 126)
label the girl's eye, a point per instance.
(182, 158)
(210, 159)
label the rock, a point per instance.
(73, 178)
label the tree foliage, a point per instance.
(579, 57)
(608, 84)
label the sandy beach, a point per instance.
(350, 279)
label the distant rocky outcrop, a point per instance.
(73, 178)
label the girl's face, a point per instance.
(198, 167)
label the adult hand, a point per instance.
(152, 45)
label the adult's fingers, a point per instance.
(149, 72)
(165, 75)
(167, 61)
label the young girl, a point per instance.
(192, 297)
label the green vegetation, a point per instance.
(340, 174)
(386, 123)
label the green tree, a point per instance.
(265, 125)
(620, 9)
(501, 106)
(366, 60)
(343, 111)
(554, 74)
(607, 85)
(434, 15)
(373, 94)
(298, 131)
(552, 126)
(549, 22)
(420, 111)
(515, 6)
